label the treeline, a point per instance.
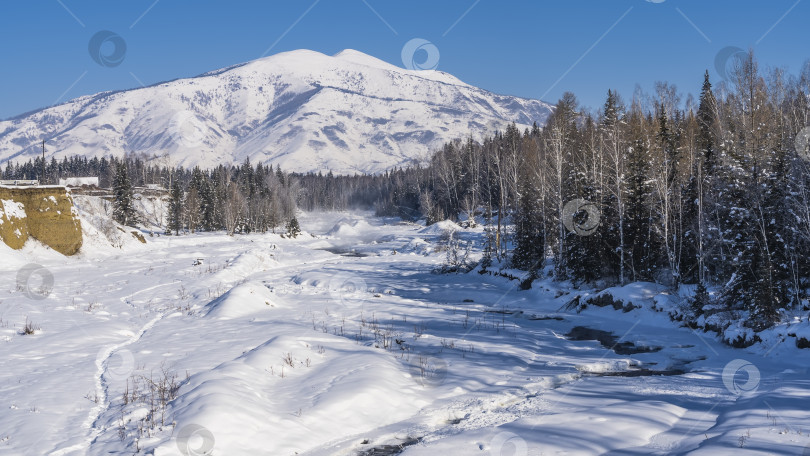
(48, 172)
(236, 199)
(714, 194)
(241, 199)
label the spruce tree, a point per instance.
(700, 240)
(293, 229)
(207, 206)
(737, 233)
(774, 276)
(613, 207)
(699, 301)
(640, 248)
(123, 202)
(175, 222)
(584, 249)
(529, 241)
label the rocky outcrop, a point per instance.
(44, 213)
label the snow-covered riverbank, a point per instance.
(343, 342)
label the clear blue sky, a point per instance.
(529, 48)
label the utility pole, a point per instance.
(43, 162)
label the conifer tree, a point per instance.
(699, 301)
(123, 203)
(175, 222)
(208, 220)
(775, 274)
(529, 241)
(700, 241)
(293, 229)
(584, 249)
(613, 200)
(638, 229)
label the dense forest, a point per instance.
(237, 199)
(240, 199)
(716, 194)
(712, 192)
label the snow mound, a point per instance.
(12, 259)
(609, 366)
(333, 397)
(417, 246)
(636, 292)
(240, 301)
(801, 331)
(443, 227)
(246, 263)
(346, 228)
(316, 279)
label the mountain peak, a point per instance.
(360, 58)
(303, 110)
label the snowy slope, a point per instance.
(303, 110)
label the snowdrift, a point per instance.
(345, 228)
(248, 403)
(242, 300)
(439, 228)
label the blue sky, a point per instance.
(535, 49)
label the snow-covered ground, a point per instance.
(342, 342)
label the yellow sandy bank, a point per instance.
(43, 213)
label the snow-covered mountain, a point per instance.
(303, 110)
